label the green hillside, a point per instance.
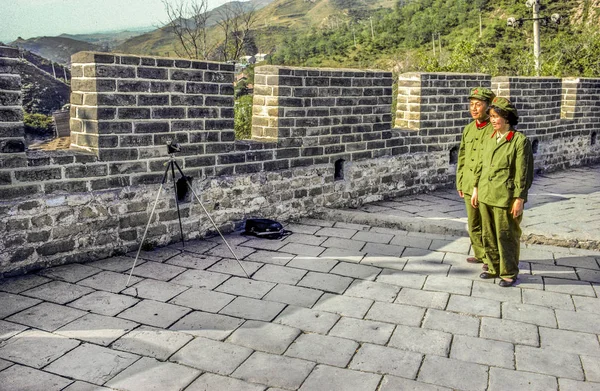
(58, 49)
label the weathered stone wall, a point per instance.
(321, 138)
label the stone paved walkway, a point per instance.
(334, 306)
(563, 209)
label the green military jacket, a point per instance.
(469, 155)
(504, 169)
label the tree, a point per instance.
(187, 20)
(235, 23)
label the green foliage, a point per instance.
(38, 125)
(243, 117)
(405, 37)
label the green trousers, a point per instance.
(501, 240)
(475, 231)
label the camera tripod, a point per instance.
(170, 166)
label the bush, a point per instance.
(243, 117)
(38, 125)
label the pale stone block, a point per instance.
(152, 342)
(403, 279)
(272, 257)
(194, 261)
(326, 378)
(387, 361)
(483, 351)
(212, 356)
(157, 271)
(392, 383)
(11, 304)
(148, 374)
(210, 382)
(22, 283)
(262, 336)
(118, 264)
(587, 304)
(341, 254)
(246, 287)
(109, 281)
(203, 324)
(451, 323)
(454, 374)
(313, 263)
(437, 300)
(509, 331)
(279, 274)
(343, 305)
(97, 329)
(474, 306)
(264, 244)
(578, 321)
(493, 291)
(273, 370)
(548, 362)
(373, 237)
(70, 273)
(46, 316)
(36, 348)
(377, 291)
(293, 295)
(302, 249)
(569, 341)
(384, 261)
(363, 330)
(160, 254)
(325, 282)
(448, 284)
(323, 349)
(154, 313)
(307, 320)
(383, 249)
(9, 329)
(155, 290)
(92, 363)
(104, 303)
(202, 300)
(313, 240)
(356, 271)
(591, 366)
(231, 266)
(570, 287)
(396, 313)
(336, 232)
(243, 307)
(200, 279)
(527, 313)
(548, 299)
(23, 378)
(509, 380)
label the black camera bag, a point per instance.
(265, 228)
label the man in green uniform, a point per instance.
(468, 156)
(502, 180)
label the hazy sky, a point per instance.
(34, 18)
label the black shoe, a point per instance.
(486, 275)
(506, 283)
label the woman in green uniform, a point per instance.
(502, 180)
(468, 156)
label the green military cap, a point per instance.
(482, 93)
(505, 105)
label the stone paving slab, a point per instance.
(315, 318)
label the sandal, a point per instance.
(486, 275)
(474, 260)
(506, 283)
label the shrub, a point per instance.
(38, 125)
(243, 117)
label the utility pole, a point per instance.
(536, 35)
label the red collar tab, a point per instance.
(481, 124)
(510, 135)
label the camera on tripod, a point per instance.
(173, 147)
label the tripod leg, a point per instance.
(172, 163)
(147, 225)
(211, 220)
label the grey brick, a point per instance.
(97, 329)
(155, 290)
(46, 316)
(437, 300)
(548, 299)
(152, 342)
(22, 283)
(388, 361)
(212, 356)
(301, 238)
(247, 308)
(363, 330)
(483, 351)
(356, 271)
(396, 313)
(474, 306)
(569, 341)
(335, 232)
(200, 279)
(36, 348)
(323, 349)
(271, 257)
(104, 303)
(392, 383)
(325, 282)
(447, 284)
(570, 287)
(587, 304)
(573, 385)
(302, 249)
(383, 249)
(109, 281)
(294, 295)
(266, 337)
(454, 374)
(71, 273)
(279, 274)
(373, 237)
(343, 305)
(203, 300)
(451, 322)
(154, 313)
(341, 254)
(526, 313)
(313, 263)
(495, 292)
(509, 331)
(19, 377)
(548, 362)
(326, 378)
(509, 380)
(210, 381)
(148, 373)
(395, 277)
(421, 340)
(233, 267)
(384, 261)
(203, 324)
(578, 321)
(373, 290)
(591, 366)
(274, 371)
(11, 304)
(246, 287)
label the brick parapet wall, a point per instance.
(73, 206)
(320, 115)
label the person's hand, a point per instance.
(517, 208)
(474, 200)
(461, 194)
